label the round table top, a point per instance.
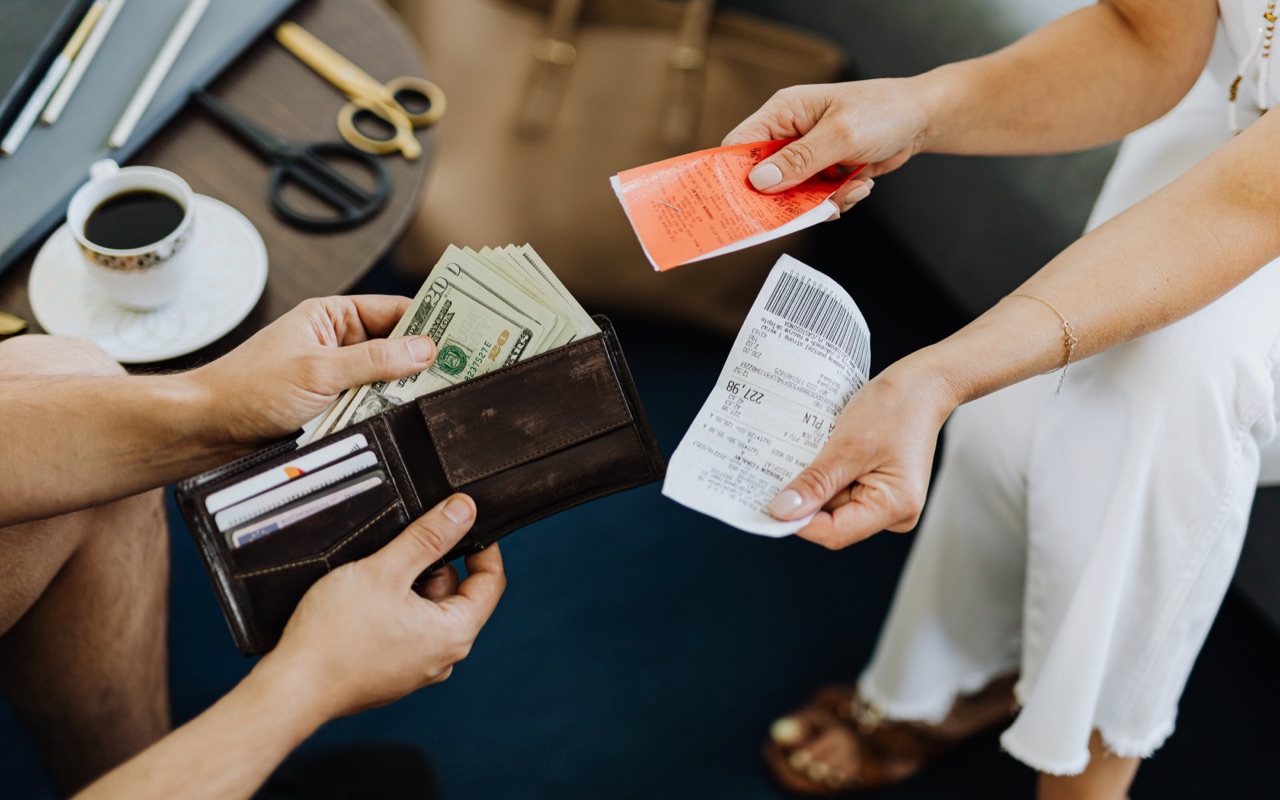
(268, 85)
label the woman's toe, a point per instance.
(787, 731)
(800, 759)
(818, 771)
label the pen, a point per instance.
(81, 63)
(56, 70)
(155, 75)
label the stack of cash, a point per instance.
(484, 310)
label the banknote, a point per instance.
(484, 309)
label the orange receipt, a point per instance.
(700, 205)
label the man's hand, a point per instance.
(878, 123)
(873, 473)
(291, 370)
(361, 637)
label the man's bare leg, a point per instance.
(83, 609)
(1107, 777)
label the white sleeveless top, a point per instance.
(1242, 22)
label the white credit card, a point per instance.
(283, 473)
(276, 522)
(296, 489)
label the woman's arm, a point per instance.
(1173, 253)
(1085, 79)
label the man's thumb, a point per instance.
(385, 359)
(428, 538)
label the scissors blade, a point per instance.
(322, 58)
(266, 144)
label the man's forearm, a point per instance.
(91, 440)
(1084, 80)
(226, 752)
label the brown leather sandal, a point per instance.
(883, 751)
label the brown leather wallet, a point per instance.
(525, 441)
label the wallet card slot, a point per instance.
(272, 593)
(271, 596)
(365, 540)
(313, 537)
(209, 480)
(288, 456)
(524, 412)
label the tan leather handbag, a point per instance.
(549, 98)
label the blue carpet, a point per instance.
(641, 649)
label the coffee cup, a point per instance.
(134, 226)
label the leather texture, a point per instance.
(560, 96)
(551, 432)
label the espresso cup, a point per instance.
(146, 274)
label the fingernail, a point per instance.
(458, 510)
(787, 501)
(421, 348)
(764, 176)
(857, 193)
(869, 182)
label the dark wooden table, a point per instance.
(280, 93)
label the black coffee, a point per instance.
(133, 219)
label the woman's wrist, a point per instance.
(1014, 340)
(927, 382)
(935, 95)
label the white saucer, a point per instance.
(227, 278)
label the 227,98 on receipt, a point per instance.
(801, 354)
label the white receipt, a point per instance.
(801, 354)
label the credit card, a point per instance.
(296, 489)
(276, 522)
(282, 474)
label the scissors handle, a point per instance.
(367, 95)
(432, 99)
(397, 114)
(312, 171)
(401, 139)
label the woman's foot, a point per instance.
(839, 744)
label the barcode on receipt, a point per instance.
(800, 301)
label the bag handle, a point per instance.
(686, 66)
(555, 52)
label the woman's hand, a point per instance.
(879, 123)
(874, 471)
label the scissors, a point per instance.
(309, 166)
(394, 102)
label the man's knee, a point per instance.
(40, 356)
(129, 537)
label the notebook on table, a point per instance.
(38, 180)
(31, 34)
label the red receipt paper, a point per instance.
(700, 205)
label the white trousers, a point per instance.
(1085, 540)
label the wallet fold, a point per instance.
(525, 441)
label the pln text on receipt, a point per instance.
(801, 354)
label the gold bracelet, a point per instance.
(1069, 340)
